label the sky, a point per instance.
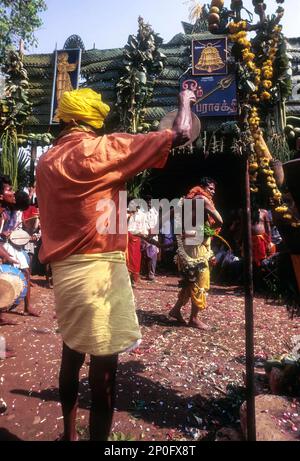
(108, 23)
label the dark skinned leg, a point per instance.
(183, 297)
(27, 308)
(71, 363)
(195, 322)
(30, 268)
(49, 277)
(102, 379)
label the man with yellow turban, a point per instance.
(94, 299)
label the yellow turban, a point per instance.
(83, 104)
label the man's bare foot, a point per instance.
(198, 324)
(177, 316)
(32, 313)
(3, 322)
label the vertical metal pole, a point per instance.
(249, 322)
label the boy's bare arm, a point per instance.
(212, 211)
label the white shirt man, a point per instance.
(137, 223)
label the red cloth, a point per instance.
(260, 245)
(134, 255)
(31, 212)
(197, 191)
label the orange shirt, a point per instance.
(81, 169)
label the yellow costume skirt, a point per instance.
(95, 304)
(198, 290)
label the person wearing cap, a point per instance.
(94, 299)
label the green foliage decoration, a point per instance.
(142, 64)
(23, 172)
(15, 107)
(18, 20)
(136, 186)
(279, 147)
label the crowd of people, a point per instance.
(19, 241)
(93, 273)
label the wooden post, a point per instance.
(249, 322)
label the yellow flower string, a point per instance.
(259, 162)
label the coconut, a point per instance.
(214, 9)
(213, 18)
(218, 3)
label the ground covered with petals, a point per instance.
(181, 384)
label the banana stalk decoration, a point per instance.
(14, 109)
(9, 155)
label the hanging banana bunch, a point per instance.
(9, 155)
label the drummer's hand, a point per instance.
(6, 234)
(12, 261)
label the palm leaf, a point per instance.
(23, 164)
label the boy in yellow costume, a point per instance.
(193, 260)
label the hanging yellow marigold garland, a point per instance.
(260, 162)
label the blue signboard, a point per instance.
(66, 77)
(216, 95)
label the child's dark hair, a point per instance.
(4, 180)
(206, 180)
(22, 200)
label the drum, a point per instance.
(168, 120)
(13, 285)
(19, 237)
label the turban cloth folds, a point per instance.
(84, 105)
